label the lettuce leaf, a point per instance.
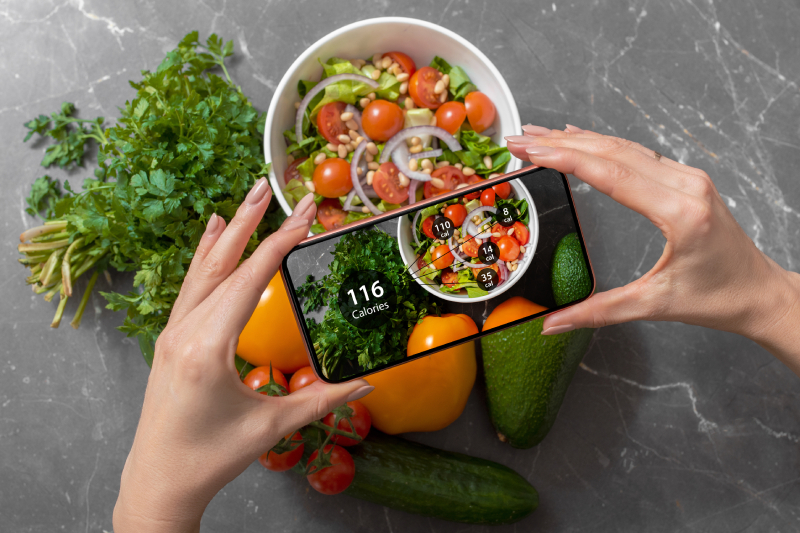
(460, 84)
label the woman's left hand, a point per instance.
(200, 425)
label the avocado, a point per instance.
(527, 374)
(570, 276)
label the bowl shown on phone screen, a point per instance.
(405, 240)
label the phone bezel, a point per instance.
(377, 219)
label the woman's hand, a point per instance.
(710, 273)
(200, 425)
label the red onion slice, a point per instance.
(468, 225)
(412, 192)
(451, 242)
(357, 117)
(427, 155)
(414, 224)
(400, 158)
(415, 131)
(348, 201)
(301, 111)
(504, 273)
(357, 153)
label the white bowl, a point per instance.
(419, 39)
(405, 237)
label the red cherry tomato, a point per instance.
(330, 123)
(281, 462)
(291, 171)
(503, 190)
(332, 178)
(480, 111)
(476, 271)
(521, 233)
(386, 182)
(469, 181)
(405, 62)
(336, 478)
(449, 278)
(450, 175)
(450, 116)
(427, 227)
(302, 378)
(457, 213)
(330, 213)
(470, 247)
(442, 257)
(362, 422)
(421, 87)
(381, 119)
(259, 377)
(488, 197)
(509, 248)
(502, 230)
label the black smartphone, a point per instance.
(438, 273)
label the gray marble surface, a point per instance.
(665, 428)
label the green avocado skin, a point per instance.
(570, 276)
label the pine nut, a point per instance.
(371, 148)
(404, 181)
(320, 158)
(376, 59)
(353, 134)
(494, 175)
(359, 170)
(468, 171)
(394, 66)
(404, 87)
(373, 165)
(364, 102)
(297, 105)
(459, 166)
(344, 138)
(496, 235)
(309, 185)
(426, 171)
(438, 183)
(415, 149)
(359, 140)
(438, 88)
(365, 209)
(403, 76)
(331, 147)
(462, 185)
(446, 80)
(370, 176)
(386, 62)
(408, 103)
(413, 164)
(510, 232)
(342, 151)
(375, 74)
(350, 123)
(433, 120)
(426, 163)
(372, 96)
(415, 141)
(347, 115)
(442, 164)
(522, 249)
(349, 147)
(443, 97)
(487, 161)
(289, 159)
(369, 157)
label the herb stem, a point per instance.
(334, 431)
(76, 321)
(42, 246)
(59, 311)
(66, 275)
(48, 227)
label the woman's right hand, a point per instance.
(710, 273)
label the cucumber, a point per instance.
(422, 480)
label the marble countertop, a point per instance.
(666, 427)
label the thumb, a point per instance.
(616, 306)
(315, 401)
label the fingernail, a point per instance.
(540, 151)
(303, 205)
(535, 131)
(555, 330)
(258, 192)
(213, 224)
(519, 139)
(360, 392)
(573, 129)
(293, 222)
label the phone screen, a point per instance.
(407, 286)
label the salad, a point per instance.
(455, 265)
(376, 135)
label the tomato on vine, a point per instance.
(361, 420)
(335, 478)
(280, 462)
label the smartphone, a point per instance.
(414, 281)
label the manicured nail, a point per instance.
(555, 330)
(302, 206)
(520, 139)
(292, 223)
(360, 392)
(535, 131)
(540, 151)
(573, 129)
(213, 224)
(258, 192)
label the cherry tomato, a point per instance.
(488, 197)
(449, 277)
(451, 177)
(332, 178)
(381, 120)
(503, 190)
(442, 257)
(502, 230)
(259, 377)
(427, 227)
(469, 181)
(336, 478)
(302, 378)
(451, 116)
(330, 213)
(521, 233)
(436, 331)
(480, 111)
(476, 271)
(281, 462)
(470, 247)
(291, 171)
(511, 310)
(405, 62)
(421, 87)
(457, 213)
(361, 420)
(509, 248)
(386, 182)
(330, 123)
(421, 262)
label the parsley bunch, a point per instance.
(187, 146)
